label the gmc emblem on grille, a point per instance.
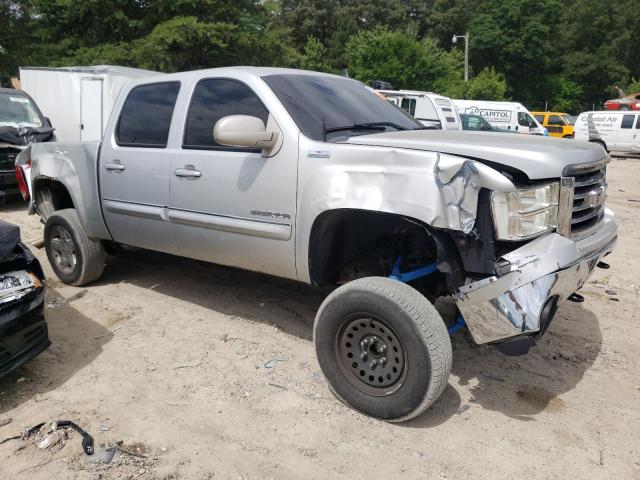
(595, 198)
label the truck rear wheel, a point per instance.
(383, 348)
(75, 258)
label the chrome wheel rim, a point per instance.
(371, 355)
(63, 250)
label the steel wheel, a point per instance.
(63, 250)
(370, 354)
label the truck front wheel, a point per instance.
(383, 348)
(75, 258)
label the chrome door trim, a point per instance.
(153, 212)
(257, 228)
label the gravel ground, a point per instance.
(209, 372)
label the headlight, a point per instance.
(525, 213)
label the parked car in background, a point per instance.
(21, 123)
(313, 177)
(23, 330)
(625, 102)
(476, 123)
(431, 109)
(613, 130)
(558, 124)
(504, 115)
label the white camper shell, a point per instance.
(613, 130)
(77, 100)
(503, 115)
(431, 109)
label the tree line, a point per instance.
(563, 54)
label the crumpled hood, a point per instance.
(538, 157)
(25, 135)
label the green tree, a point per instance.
(487, 85)
(519, 38)
(315, 57)
(399, 58)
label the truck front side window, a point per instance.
(213, 99)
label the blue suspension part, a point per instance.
(456, 327)
(414, 274)
(418, 273)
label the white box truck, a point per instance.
(503, 115)
(77, 100)
(613, 130)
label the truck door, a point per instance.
(135, 164)
(90, 109)
(231, 205)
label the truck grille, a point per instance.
(8, 158)
(589, 196)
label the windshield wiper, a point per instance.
(355, 126)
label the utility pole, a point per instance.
(454, 40)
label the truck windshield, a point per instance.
(324, 106)
(17, 111)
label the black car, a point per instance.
(23, 331)
(21, 123)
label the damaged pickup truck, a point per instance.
(313, 177)
(21, 123)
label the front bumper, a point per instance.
(547, 269)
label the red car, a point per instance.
(625, 102)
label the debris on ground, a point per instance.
(610, 292)
(272, 362)
(52, 436)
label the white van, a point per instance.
(503, 115)
(613, 130)
(431, 109)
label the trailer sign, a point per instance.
(498, 116)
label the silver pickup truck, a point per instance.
(313, 177)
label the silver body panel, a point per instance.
(538, 157)
(245, 210)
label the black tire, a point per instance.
(376, 310)
(626, 108)
(64, 230)
(44, 202)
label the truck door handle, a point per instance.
(189, 171)
(115, 167)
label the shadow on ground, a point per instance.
(76, 342)
(518, 387)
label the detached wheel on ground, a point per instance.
(76, 259)
(383, 348)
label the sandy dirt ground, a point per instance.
(209, 372)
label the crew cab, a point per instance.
(315, 178)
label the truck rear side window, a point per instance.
(212, 100)
(146, 115)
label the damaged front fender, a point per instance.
(438, 190)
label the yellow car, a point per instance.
(557, 123)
